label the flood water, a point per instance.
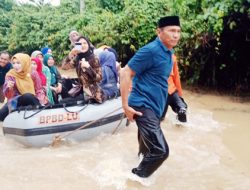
(209, 153)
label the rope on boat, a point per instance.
(57, 139)
(120, 122)
(49, 105)
(65, 108)
(43, 108)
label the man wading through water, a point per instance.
(150, 68)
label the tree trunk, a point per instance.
(82, 5)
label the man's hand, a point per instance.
(131, 113)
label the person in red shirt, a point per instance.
(175, 95)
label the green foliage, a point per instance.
(34, 27)
(201, 36)
(5, 22)
(125, 25)
(115, 6)
(6, 5)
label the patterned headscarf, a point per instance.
(23, 79)
(36, 53)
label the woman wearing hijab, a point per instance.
(110, 49)
(59, 86)
(46, 72)
(19, 87)
(38, 66)
(109, 74)
(48, 61)
(55, 84)
(37, 54)
(39, 80)
(88, 70)
(46, 50)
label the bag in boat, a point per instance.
(75, 90)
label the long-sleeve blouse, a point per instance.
(90, 78)
(91, 75)
(174, 82)
(39, 89)
(109, 82)
(10, 92)
(47, 73)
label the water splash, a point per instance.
(198, 160)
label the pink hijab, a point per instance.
(39, 70)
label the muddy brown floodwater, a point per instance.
(209, 152)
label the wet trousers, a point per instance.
(152, 143)
(175, 102)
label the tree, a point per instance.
(127, 25)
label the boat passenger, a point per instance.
(46, 50)
(68, 61)
(55, 84)
(60, 85)
(109, 74)
(37, 54)
(5, 66)
(73, 36)
(39, 80)
(88, 70)
(46, 72)
(18, 86)
(110, 49)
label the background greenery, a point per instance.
(213, 52)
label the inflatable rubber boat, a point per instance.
(36, 127)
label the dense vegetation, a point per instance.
(213, 52)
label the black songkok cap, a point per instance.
(169, 21)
